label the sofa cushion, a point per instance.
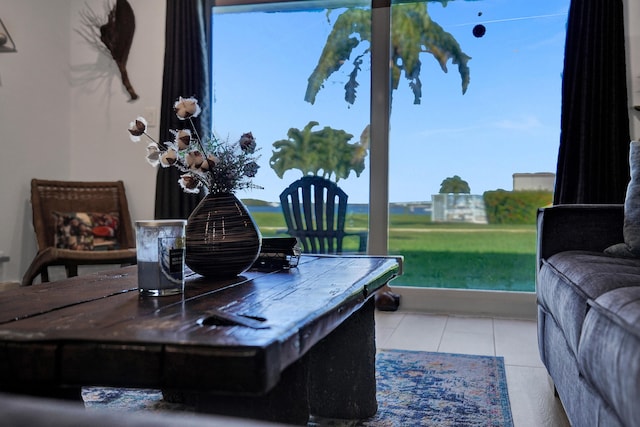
(609, 349)
(567, 280)
(631, 227)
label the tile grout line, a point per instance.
(493, 335)
(444, 328)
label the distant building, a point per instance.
(539, 181)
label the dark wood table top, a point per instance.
(235, 335)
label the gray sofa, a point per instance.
(589, 314)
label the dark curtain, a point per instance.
(594, 142)
(186, 73)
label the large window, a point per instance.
(506, 125)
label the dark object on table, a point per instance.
(278, 253)
(222, 239)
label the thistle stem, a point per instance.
(153, 140)
(198, 140)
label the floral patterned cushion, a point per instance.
(86, 231)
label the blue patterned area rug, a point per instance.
(415, 388)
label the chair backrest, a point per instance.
(49, 197)
(315, 211)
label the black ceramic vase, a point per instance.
(222, 238)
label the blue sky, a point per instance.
(507, 122)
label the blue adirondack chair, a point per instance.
(315, 211)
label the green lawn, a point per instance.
(449, 255)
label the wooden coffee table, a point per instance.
(279, 345)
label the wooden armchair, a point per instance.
(315, 211)
(79, 223)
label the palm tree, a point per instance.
(327, 150)
(412, 33)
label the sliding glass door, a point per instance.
(453, 122)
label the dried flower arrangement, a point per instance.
(210, 164)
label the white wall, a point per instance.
(64, 113)
(34, 117)
(101, 109)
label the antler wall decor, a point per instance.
(113, 37)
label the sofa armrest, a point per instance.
(578, 227)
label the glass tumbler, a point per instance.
(160, 249)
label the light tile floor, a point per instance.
(530, 389)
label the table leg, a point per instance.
(342, 381)
(64, 393)
(334, 380)
(287, 402)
